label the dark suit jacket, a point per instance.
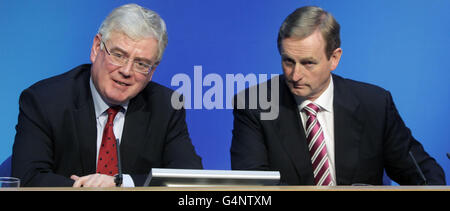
(56, 132)
(369, 136)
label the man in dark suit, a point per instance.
(68, 124)
(329, 130)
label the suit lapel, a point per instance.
(85, 124)
(348, 127)
(292, 135)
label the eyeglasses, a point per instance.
(120, 59)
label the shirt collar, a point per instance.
(324, 101)
(99, 104)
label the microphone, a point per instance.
(119, 177)
(448, 155)
(418, 169)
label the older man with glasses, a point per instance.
(69, 125)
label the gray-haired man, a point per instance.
(68, 124)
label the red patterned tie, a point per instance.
(317, 147)
(107, 157)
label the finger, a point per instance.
(79, 182)
(76, 184)
(74, 177)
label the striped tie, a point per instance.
(317, 147)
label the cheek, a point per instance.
(101, 76)
(97, 75)
(101, 67)
(320, 77)
(141, 82)
(287, 70)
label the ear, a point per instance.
(335, 58)
(96, 47)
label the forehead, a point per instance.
(311, 46)
(145, 47)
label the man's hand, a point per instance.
(93, 180)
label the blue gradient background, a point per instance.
(401, 46)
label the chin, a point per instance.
(116, 99)
(298, 92)
(115, 102)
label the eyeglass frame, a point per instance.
(126, 62)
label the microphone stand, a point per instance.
(119, 177)
(418, 169)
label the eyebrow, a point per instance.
(115, 48)
(309, 58)
(286, 57)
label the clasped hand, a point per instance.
(93, 180)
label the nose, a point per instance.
(297, 72)
(126, 69)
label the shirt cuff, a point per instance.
(127, 181)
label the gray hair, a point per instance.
(137, 23)
(306, 20)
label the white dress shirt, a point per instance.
(326, 119)
(101, 117)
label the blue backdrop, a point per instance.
(399, 45)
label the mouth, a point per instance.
(121, 83)
(297, 85)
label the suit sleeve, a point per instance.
(248, 149)
(178, 150)
(32, 158)
(398, 144)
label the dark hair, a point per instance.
(306, 20)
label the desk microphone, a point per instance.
(418, 169)
(119, 178)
